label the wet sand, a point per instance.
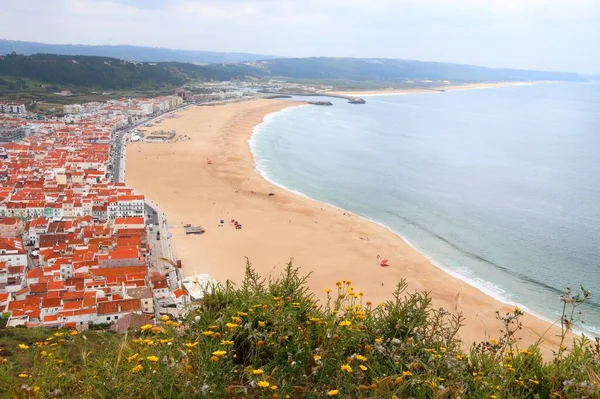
(330, 243)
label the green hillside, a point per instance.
(274, 340)
(128, 52)
(390, 70)
(21, 72)
(101, 72)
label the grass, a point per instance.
(271, 339)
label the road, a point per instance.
(162, 248)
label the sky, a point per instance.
(558, 35)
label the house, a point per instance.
(11, 227)
(12, 252)
(144, 294)
(129, 223)
(126, 206)
(111, 311)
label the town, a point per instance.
(78, 248)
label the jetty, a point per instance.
(351, 99)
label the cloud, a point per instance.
(541, 34)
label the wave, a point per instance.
(487, 287)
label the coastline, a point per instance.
(437, 89)
(233, 184)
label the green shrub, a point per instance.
(271, 339)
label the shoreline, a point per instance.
(221, 253)
(433, 262)
(436, 89)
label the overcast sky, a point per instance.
(535, 34)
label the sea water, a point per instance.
(500, 186)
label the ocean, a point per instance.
(500, 187)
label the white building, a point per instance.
(126, 206)
(73, 108)
(12, 252)
(12, 108)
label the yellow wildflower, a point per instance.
(407, 373)
(132, 357)
(191, 345)
(328, 290)
(237, 320)
(274, 387)
(262, 324)
(157, 329)
(208, 333)
(24, 375)
(164, 317)
(219, 353)
(146, 327)
(460, 357)
(379, 340)
(23, 346)
(44, 353)
(214, 359)
(74, 332)
(137, 368)
(232, 326)
(534, 380)
(317, 357)
(58, 334)
(333, 392)
(346, 368)
(258, 371)
(213, 327)
(263, 384)
(345, 323)
(152, 359)
(149, 342)
(277, 298)
(363, 368)
(226, 343)
(242, 314)
(361, 358)
(493, 341)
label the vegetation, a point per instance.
(273, 340)
(21, 73)
(126, 52)
(390, 70)
(98, 73)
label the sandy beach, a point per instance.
(328, 242)
(469, 86)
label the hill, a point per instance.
(128, 52)
(100, 72)
(274, 340)
(389, 70)
(18, 72)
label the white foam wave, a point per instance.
(487, 287)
